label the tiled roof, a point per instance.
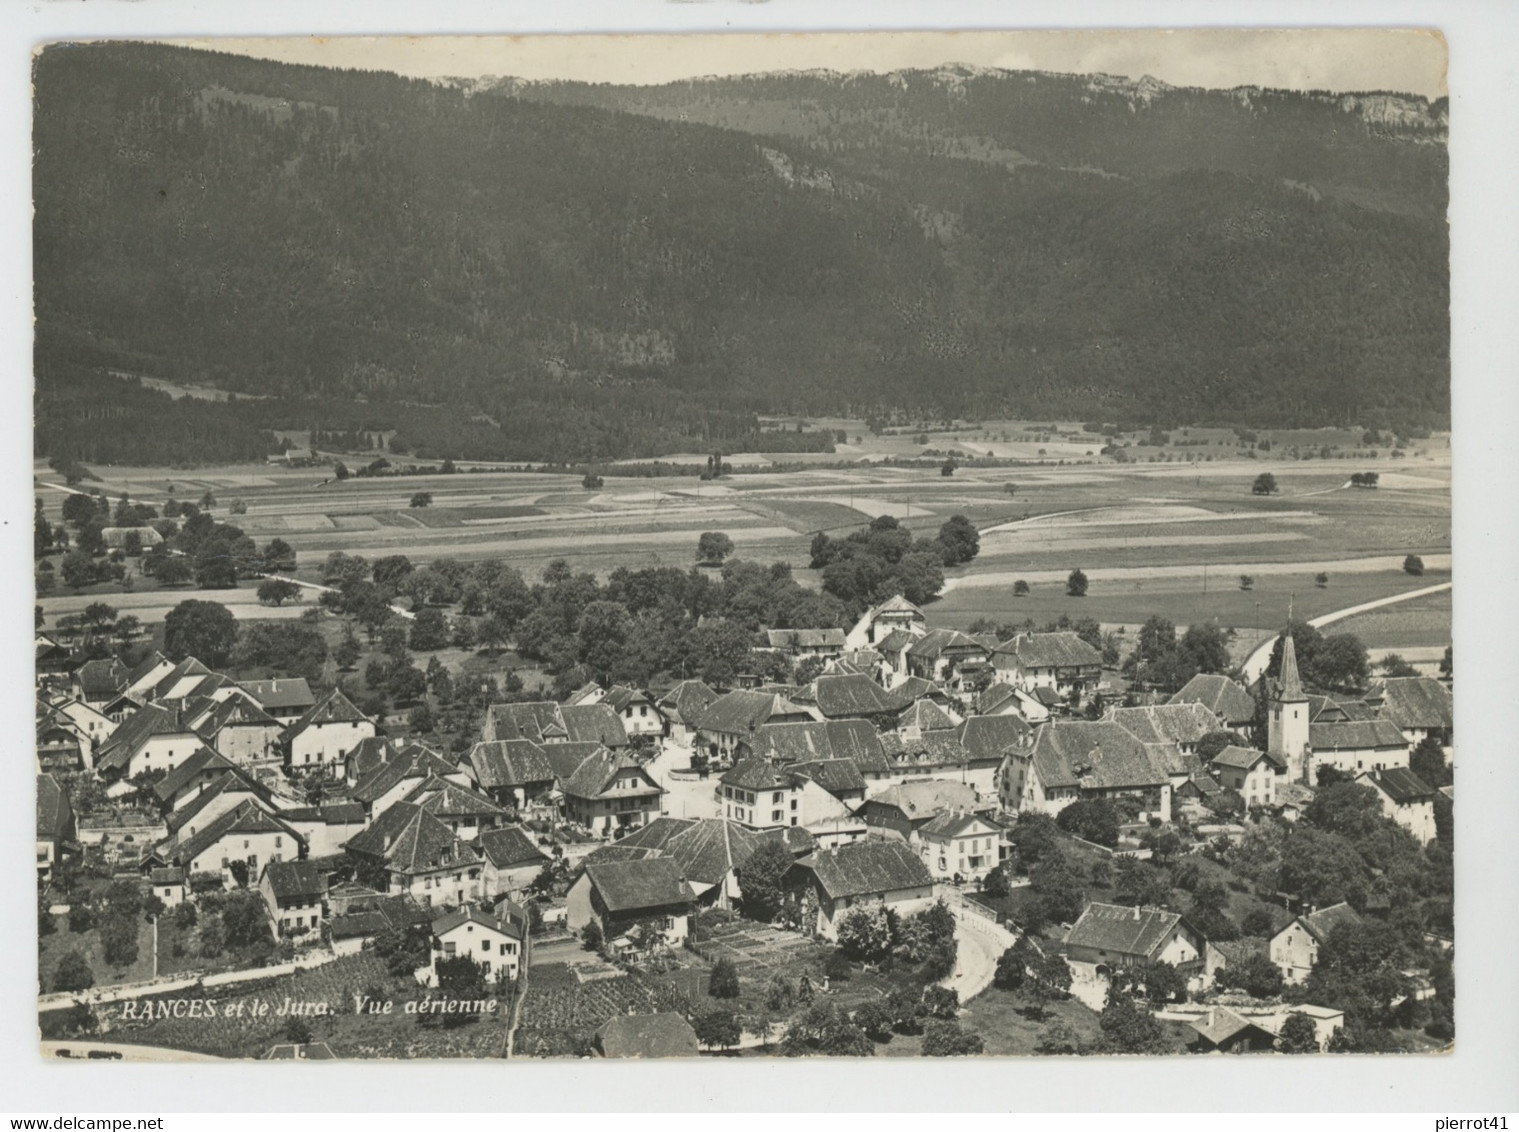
(1364, 735)
(471, 914)
(596, 773)
(1099, 756)
(992, 736)
(619, 698)
(420, 764)
(450, 800)
(934, 643)
(231, 782)
(246, 817)
(1238, 951)
(144, 668)
(52, 808)
(1220, 1024)
(203, 763)
(897, 604)
(509, 762)
(411, 840)
(374, 751)
(101, 679)
(536, 720)
(1166, 723)
(334, 707)
(564, 759)
(1222, 696)
(796, 839)
(931, 749)
(839, 696)
(895, 641)
(295, 878)
(927, 797)
(954, 824)
(740, 711)
(627, 886)
(594, 723)
(1238, 758)
(143, 724)
(285, 693)
(1322, 923)
(837, 776)
(757, 774)
(508, 848)
(870, 867)
(236, 711)
(686, 698)
(1415, 702)
(1123, 931)
(1402, 785)
(657, 835)
(709, 849)
(994, 697)
(926, 715)
(1051, 650)
(647, 1036)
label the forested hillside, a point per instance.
(501, 274)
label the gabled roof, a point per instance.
(925, 715)
(757, 774)
(1402, 785)
(52, 808)
(854, 739)
(447, 799)
(1362, 735)
(993, 697)
(925, 798)
(1096, 756)
(656, 836)
(1220, 1024)
(1322, 923)
(285, 693)
(244, 818)
(627, 886)
(328, 813)
(1050, 650)
(472, 914)
(912, 689)
(930, 749)
(1166, 723)
(411, 840)
(508, 763)
(101, 679)
(850, 695)
(594, 723)
(143, 724)
(685, 698)
(420, 764)
(374, 751)
(936, 642)
(1222, 696)
(955, 823)
(597, 772)
(202, 764)
(565, 758)
(536, 720)
(837, 776)
(1123, 931)
(620, 698)
(874, 866)
(144, 668)
(708, 850)
(992, 736)
(795, 839)
(334, 707)
(647, 1036)
(509, 848)
(805, 638)
(188, 669)
(741, 711)
(295, 878)
(229, 783)
(1415, 702)
(236, 711)
(1239, 758)
(894, 642)
(897, 604)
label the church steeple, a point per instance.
(1289, 686)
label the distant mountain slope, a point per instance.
(503, 276)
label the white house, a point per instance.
(1295, 949)
(963, 845)
(324, 735)
(1406, 798)
(472, 932)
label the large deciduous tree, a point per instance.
(205, 630)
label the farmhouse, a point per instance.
(1086, 760)
(1061, 662)
(512, 861)
(392, 782)
(948, 657)
(1112, 935)
(293, 892)
(733, 718)
(287, 698)
(512, 772)
(247, 834)
(1376, 744)
(472, 932)
(680, 706)
(1406, 798)
(895, 613)
(1254, 774)
(639, 714)
(1224, 1031)
(1295, 948)
(903, 809)
(807, 642)
(875, 871)
(240, 729)
(609, 792)
(1231, 705)
(851, 697)
(649, 897)
(328, 827)
(152, 738)
(854, 739)
(409, 851)
(465, 812)
(325, 733)
(709, 852)
(1181, 724)
(1420, 707)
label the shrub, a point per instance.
(724, 983)
(950, 1039)
(73, 973)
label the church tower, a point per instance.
(1287, 734)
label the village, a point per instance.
(897, 838)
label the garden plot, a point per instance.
(753, 946)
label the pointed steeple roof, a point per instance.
(1289, 684)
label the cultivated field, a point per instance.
(1171, 536)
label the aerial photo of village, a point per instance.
(922, 562)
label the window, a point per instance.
(777, 796)
(777, 815)
(793, 803)
(279, 842)
(485, 946)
